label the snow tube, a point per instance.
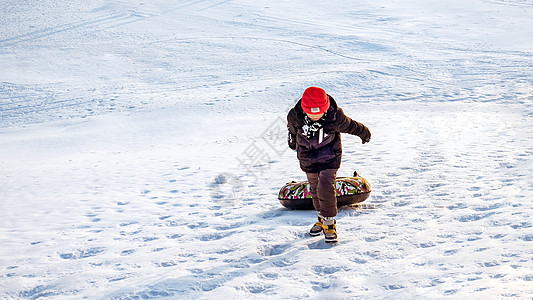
(349, 190)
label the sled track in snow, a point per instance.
(22, 104)
(119, 16)
(518, 3)
(100, 23)
(285, 41)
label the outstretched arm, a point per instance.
(347, 125)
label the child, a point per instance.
(315, 125)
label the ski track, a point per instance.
(124, 128)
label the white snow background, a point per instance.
(142, 147)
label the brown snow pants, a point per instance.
(323, 192)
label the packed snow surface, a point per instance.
(142, 147)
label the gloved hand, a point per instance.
(365, 137)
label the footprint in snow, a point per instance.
(214, 236)
(80, 254)
(127, 252)
(322, 245)
(258, 287)
(326, 270)
(475, 217)
(93, 217)
(274, 250)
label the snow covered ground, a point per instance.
(142, 146)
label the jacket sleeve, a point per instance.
(347, 125)
(291, 137)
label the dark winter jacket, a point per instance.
(318, 144)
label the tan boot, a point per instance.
(330, 229)
(317, 228)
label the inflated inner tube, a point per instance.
(349, 190)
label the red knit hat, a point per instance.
(315, 101)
